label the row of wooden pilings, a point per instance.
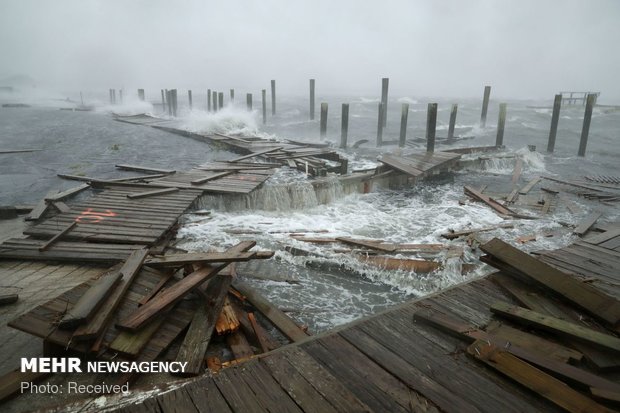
(215, 102)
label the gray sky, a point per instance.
(448, 48)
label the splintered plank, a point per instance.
(597, 303)
(92, 299)
(145, 169)
(171, 295)
(457, 234)
(200, 257)
(58, 236)
(198, 337)
(40, 208)
(534, 379)
(603, 237)
(586, 223)
(253, 154)
(557, 326)
(147, 194)
(367, 244)
(404, 264)
(266, 344)
(477, 195)
(128, 271)
(52, 197)
(227, 321)
(277, 317)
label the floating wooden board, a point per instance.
(145, 169)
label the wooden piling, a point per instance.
(189, 98)
(312, 84)
(587, 118)
(485, 106)
(501, 121)
(113, 96)
(264, 101)
(232, 96)
(169, 101)
(248, 101)
(163, 101)
(344, 133)
(140, 95)
(110, 93)
(431, 125)
(380, 125)
(273, 98)
(220, 98)
(175, 105)
(208, 100)
(323, 120)
(384, 98)
(453, 112)
(214, 98)
(404, 115)
(555, 117)
(120, 96)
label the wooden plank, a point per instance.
(457, 234)
(403, 264)
(597, 303)
(176, 260)
(556, 326)
(210, 178)
(40, 208)
(58, 236)
(92, 298)
(8, 299)
(145, 169)
(239, 345)
(601, 238)
(367, 244)
(10, 383)
(227, 321)
(502, 210)
(396, 163)
(198, 337)
(129, 270)
(260, 334)
(516, 173)
(157, 192)
(61, 206)
(586, 223)
(51, 197)
(277, 317)
(534, 379)
(131, 344)
(171, 295)
(253, 154)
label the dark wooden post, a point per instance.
(501, 121)
(220, 103)
(404, 115)
(208, 100)
(174, 103)
(384, 98)
(114, 96)
(140, 95)
(273, 98)
(380, 125)
(189, 98)
(214, 98)
(120, 95)
(344, 133)
(312, 83)
(264, 101)
(587, 118)
(232, 95)
(555, 117)
(431, 125)
(485, 106)
(169, 101)
(323, 120)
(248, 101)
(110, 93)
(163, 101)
(453, 111)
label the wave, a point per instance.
(407, 99)
(229, 120)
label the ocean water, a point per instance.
(327, 288)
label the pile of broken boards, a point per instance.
(376, 253)
(557, 338)
(139, 309)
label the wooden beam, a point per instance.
(139, 168)
(204, 258)
(11, 382)
(227, 321)
(253, 154)
(527, 188)
(277, 317)
(534, 379)
(40, 208)
(167, 297)
(100, 321)
(211, 178)
(502, 210)
(58, 236)
(239, 345)
(61, 206)
(555, 325)
(591, 299)
(156, 192)
(92, 299)
(457, 234)
(367, 244)
(586, 223)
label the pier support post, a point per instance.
(214, 98)
(169, 101)
(384, 98)
(120, 96)
(344, 133)
(248, 101)
(453, 111)
(220, 100)
(111, 99)
(273, 98)
(380, 125)
(232, 96)
(555, 117)
(141, 94)
(312, 83)
(431, 126)
(323, 120)
(485, 106)
(208, 100)
(404, 115)
(189, 98)
(501, 122)
(175, 105)
(163, 101)
(264, 101)
(585, 130)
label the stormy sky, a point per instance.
(443, 48)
